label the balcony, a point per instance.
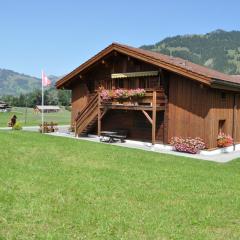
(152, 100)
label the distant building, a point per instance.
(47, 109)
(4, 107)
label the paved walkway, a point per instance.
(63, 132)
(220, 158)
(62, 128)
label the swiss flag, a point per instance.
(45, 81)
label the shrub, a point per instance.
(224, 140)
(188, 145)
(68, 108)
(17, 126)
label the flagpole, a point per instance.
(42, 102)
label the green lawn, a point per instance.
(59, 188)
(33, 119)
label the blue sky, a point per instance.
(59, 35)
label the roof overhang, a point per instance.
(225, 85)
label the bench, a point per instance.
(115, 137)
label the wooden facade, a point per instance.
(182, 100)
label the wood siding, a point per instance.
(100, 74)
(138, 126)
(79, 98)
(195, 111)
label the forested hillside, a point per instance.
(219, 49)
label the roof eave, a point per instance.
(225, 85)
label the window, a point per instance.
(221, 126)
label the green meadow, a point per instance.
(27, 117)
(60, 188)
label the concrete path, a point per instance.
(63, 132)
(62, 128)
(219, 158)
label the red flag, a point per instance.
(45, 81)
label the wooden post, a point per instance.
(99, 114)
(154, 103)
(75, 128)
(234, 121)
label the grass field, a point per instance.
(33, 119)
(58, 188)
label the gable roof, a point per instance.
(173, 64)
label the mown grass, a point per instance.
(29, 118)
(58, 188)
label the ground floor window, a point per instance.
(221, 126)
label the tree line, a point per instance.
(31, 99)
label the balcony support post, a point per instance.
(99, 114)
(154, 106)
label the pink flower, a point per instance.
(224, 140)
(189, 145)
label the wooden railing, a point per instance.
(92, 113)
(146, 101)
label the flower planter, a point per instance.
(135, 103)
(107, 103)
(127, 103)
(116, 103)
(124, 96)
(224, 140)
(187, 145)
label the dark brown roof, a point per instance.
(174, 64)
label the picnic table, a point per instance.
(111, 136)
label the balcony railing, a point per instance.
(151, 99)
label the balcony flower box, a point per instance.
(122, 95)
(127, 103)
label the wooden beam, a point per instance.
(154, 105)
(134, 108)
(99, 114)
(75, 128)
(147, 116)
(234, 120)
(103, 113)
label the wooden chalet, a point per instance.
(182, 98)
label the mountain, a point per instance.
(219, 50)
(13, 83)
